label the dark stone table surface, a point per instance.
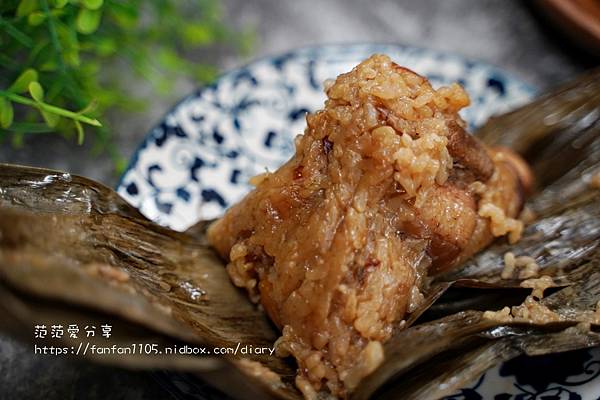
(508, 33)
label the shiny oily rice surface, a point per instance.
(246, 121)
(336, 244)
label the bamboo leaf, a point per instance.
(36, 91)
(21, 84)
(6, 113)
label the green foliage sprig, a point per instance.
(64, 63)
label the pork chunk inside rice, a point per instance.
(337, 243)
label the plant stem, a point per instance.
(15, 33)
(53, 35)
(50, 108)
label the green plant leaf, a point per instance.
(30, 127)
(50, 118)
(6, 113)
(197, 34)
(70, 45)
(106, 46)
(120, 164)
(170, 60)
(36, 91)
(36, 18)
(49, 66)
(26, 7)
(60, 3)
(125, 15)
(73, 49)
(16, 33)
(247, 41)
(92, 4)
(205, 72)
(88, 21)
(8, 62)
(92, 106)
(17, 140)
(72, 58)
(21, 84)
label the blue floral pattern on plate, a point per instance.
(198, 159)
(574, 375)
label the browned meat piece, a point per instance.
(468, 152)
(385, 187)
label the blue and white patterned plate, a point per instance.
(197, 161)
